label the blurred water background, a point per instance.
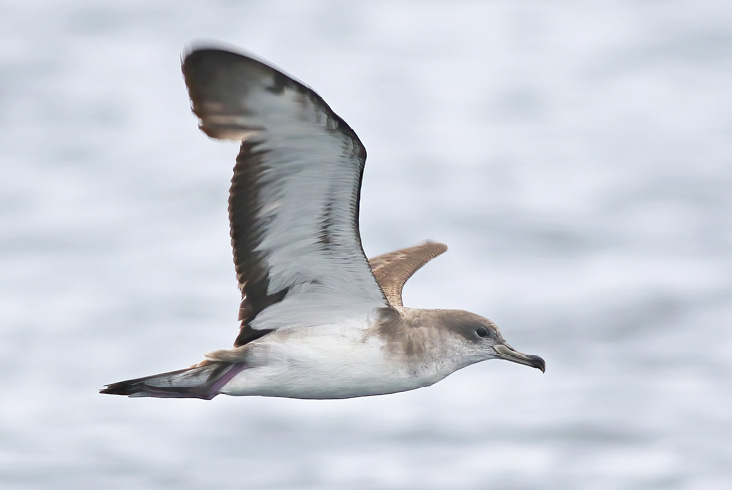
(575, 156)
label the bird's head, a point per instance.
(479, 339)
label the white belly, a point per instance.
(326, 362)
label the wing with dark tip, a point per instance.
(392, 270)
(294, 199)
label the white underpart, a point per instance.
(328, 361)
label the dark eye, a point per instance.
(481, 331)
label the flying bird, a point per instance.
(318, 320)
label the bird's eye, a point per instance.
(481, 331)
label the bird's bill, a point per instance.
(508, 353)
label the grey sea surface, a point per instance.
(575, 156)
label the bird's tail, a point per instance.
(196, 382)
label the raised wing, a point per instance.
(392, 270)
(294, 199)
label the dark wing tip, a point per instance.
(224, 87)
(219, 80)
(201, 53)
(204, 60)
(224, 75)
(215, 75)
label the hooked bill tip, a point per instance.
(538, 363)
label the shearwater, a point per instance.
(317, 318)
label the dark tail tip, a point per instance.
(199, 382)
(139, 387)
(121, 388)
